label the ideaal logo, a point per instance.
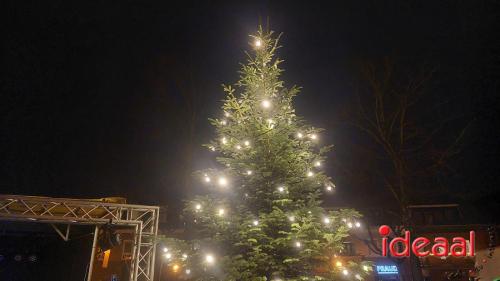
(400, 246)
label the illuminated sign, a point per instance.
(386, 269)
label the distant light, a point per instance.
(357, 224)
(291, 218)
(310, 174)
(238, 147)
(266, 104)
(247, 143)
(209, 259)
(168, 255)
(314, 136)
(258, 43)
(349, 224)
(188, 271)
(207, 179)
(317, 164)
(326, 220)
(329, 188)
(365, 268)
(345, 272)
(223, 122)
(358, 276)
(298, 244)
(281, 189)
(249, 172)
(300, 135)
(221, 212)
(224, 140)
(165, 249)
(227, 114)
(338, 263)
(198, 207)
(255, 222)
(184, 256)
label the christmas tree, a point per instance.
(261, 217)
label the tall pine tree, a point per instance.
(261, 216)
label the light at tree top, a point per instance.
(266, 223)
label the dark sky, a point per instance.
(93, 105)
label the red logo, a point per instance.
(440, 247)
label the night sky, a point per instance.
(94, 96)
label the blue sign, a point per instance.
(386, 269)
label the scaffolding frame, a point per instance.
(62, 211)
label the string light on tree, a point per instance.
(175, 267)
(338, 264)
(198, 207)
(165, 249)
(349, 224)
(168, 256)
(209, 259)
(357, 224)
(258, 43)
(188, 271)
(247, 143)
(184, 256)
(281, 189)
(249, 172)
(300, 135)
(365, 268)
(207, 178)
(221, 212)
(255, 222)
(317, 164)
(326, 220)
(358, 276)
(345, 272)
(222, 181)
(238, 147)
(223, 122)
(298, 244)
(266, 104)
(329, 188)
(313, 136)
(224, 140)
(310, 174)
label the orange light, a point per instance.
(105, 260)
(175, 267)
(338, 263)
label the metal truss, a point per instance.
(60, 211)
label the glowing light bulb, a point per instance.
(227, 114)
(212, 148)
(298, 244)
(291, 218)
(222, 181)
(345, 272)
(221, 212)
(247, 143)
(188, 271)
(314, 136)
(326, 220)
(209, 259)
(266, 104)
(300, 135)
(184, 256)
(238, 147)
(168, 256)
(175, 267)
(329, 188)
(249, 172)
(224, 140)
(165, 249)
(223, 122)
(207, 179)
(357, 224)
(198, 207)
(338, 264)
(258, 43)
(365, 267)
(281, 189)
(349, 224)
(255, 222)
(317, 164)
(358, 276)
(310, 174)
